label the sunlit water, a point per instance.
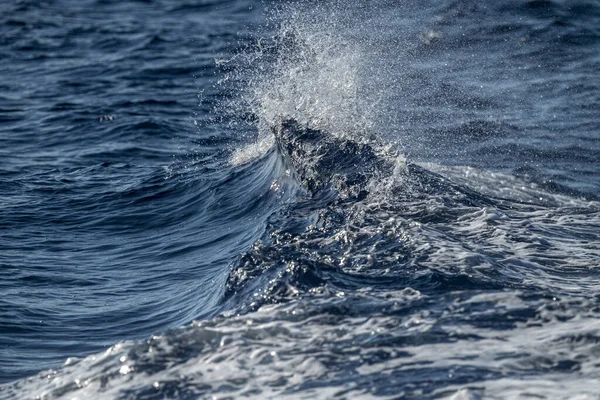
(434, 231)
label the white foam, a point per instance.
(252, 151)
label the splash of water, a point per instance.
(313, 68)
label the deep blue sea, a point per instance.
(334, 199)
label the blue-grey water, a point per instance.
(335, 199)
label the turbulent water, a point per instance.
(335, 199)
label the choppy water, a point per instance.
(299, 200)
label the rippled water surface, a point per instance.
(240, 199)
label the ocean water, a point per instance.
(334, 199)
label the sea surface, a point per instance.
(340, 199)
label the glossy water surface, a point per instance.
(435, 233)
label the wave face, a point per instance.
(382, 201)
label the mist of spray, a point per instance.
(312, 63)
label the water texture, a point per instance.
(240, 199)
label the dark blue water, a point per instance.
(299, 200)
